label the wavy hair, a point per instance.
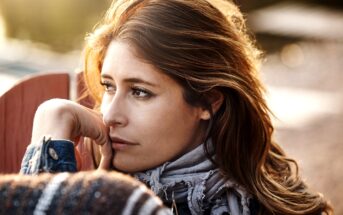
(205, 48)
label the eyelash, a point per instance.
(147, 93)
(106, 85)
(134, 89)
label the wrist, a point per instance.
(49, 156)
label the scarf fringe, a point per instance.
(193, 178)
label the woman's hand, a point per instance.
(64, 119)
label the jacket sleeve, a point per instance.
(49, 156)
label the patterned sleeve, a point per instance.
(49, 156)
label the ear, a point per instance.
(216, 99)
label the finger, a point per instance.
(106, 157)
(77, 140)
(90, 124)
(106, 151)
(78, 159)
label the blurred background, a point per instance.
(303, 68)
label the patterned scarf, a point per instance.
(194, 179)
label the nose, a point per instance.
(113, 110)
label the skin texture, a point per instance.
(146, 108)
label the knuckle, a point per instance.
(54, 107)
(51, 104)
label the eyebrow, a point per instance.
(132, 80)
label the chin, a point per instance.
(128, 166)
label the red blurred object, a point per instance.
(17, 108)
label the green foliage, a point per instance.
(61, 24)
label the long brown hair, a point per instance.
(207, 49)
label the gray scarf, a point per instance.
(194, 179)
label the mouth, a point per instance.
(121, 144)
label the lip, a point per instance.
(120, 144)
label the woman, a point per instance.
(182, 109)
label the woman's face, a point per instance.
(149, 121)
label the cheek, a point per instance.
(163, 129)
(166, 122)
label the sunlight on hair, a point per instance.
(224, 6)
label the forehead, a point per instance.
(121, 61)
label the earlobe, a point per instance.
(205, 115)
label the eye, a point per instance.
(141, 93)
(108, 86)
